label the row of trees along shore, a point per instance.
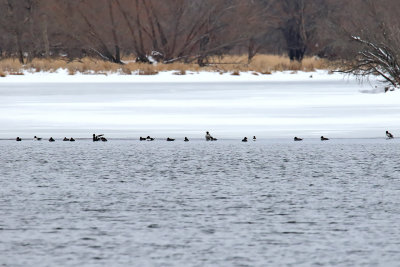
(365, 34)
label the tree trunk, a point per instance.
(296, 45)
(117, 58)
(45, 37)
(252, 51)
(19, 48)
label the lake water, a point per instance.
(224, 203)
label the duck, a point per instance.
(103, 139)
(142, 139)
(95, 138)
(254, 138)
(51, 139)
(18, 139)
(324, 138)
(208, 136)
(186, 139)
(297, 139)
(72, 139)
(37, 138)
(389, 135)
(170, 139)
(149, 138)
(65, 139)
(244, 139)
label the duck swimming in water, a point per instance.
(37, 138)
(389, 135)
(103, 139)
(297, 139)
(51, 139)
(72, 139)
(148, 138)
(254, 138)
(170, 139)
(142, 139)
(186, 139)
(65, 139)
(324, 138)
(208, 136)
(244, 139)
(18, 139)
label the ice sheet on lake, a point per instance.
(278, 105)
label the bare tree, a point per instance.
(377, 40)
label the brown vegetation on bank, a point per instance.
(263, 64)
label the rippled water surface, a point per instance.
(225, 203)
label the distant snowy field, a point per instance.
(281, 105)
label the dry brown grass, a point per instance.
(261, 64)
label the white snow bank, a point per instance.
(62, 76)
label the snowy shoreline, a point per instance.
(62, 76)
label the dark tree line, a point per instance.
(193, 30)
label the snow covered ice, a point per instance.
(278, 105)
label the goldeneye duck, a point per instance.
(170, 139)
(51, 139)
(18, 139)
(37, 138)
(65, 139)
(254, 138)
(72, 139)
(324, 138)
(142, 139)
(209, 137)
(103, 139)
(389, 135)
(186, 139)
(244, 139)
(297, 139)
